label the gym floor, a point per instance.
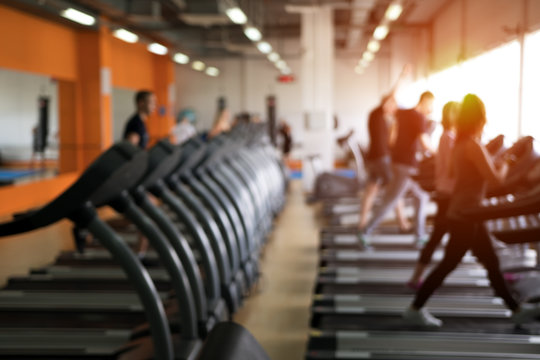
(278, 313)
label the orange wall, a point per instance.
(23, 197)
(77, 58)
(132, 65)
(28, 43)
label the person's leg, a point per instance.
(404, 223)
(455, 250)
(483, 250)
(421, 199)
(372, 188)
(460, 235)
(393, 192)
(439, 229)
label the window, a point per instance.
(531, 86)
(494, 77)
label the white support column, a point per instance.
(317, 80)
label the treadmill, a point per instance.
(525, 150)
(118, 168)
(366, 335)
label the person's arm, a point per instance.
(343, 139)
(393, 132)
(481, 158)
(404, 72)
(425, 142)
(133, 138)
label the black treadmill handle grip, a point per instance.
(519, 207)
(31, 221)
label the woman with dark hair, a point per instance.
(444, 184)
(473, 169)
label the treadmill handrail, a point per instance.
(121, 168)
(521, 206)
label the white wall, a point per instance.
(19, 93)
(123, 107)
(246, 82)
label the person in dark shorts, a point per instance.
(135, 130)
(411, 131)
(473, 169)
(136, 133)
(378, 160)
(444, 184)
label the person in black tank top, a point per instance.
(378, 161)
(473, 169)
(135, 130)
(411, 134)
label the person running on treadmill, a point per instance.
(473, 169)
(411, 129)
(135, 130)
(444, 184)
(378, 160)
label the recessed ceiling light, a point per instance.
(157, 49)
(78, 16)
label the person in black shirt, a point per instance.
(378, 161)
(411, 130)
(135, 130)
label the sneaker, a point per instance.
(526, 313)
(419, 242)
(362, 240)
(421, 317)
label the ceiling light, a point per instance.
(181, 58)
(380, 32)
(363, 63)
(393, 11)
(157, 49)
(281, 64)
(273, 57)
(78, 16)
(373, 46)
(253, 33)
(368, 56)
(359, 70)
(264, 47)
(198, 65)
(286, 71)
(125, 35)
(236, 15)
(212, 71)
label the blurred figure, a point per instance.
(444, 184)
(136, 133)
(184, 128)
(378, 160)
(135, 130)
(242, 118)
(40, 133)
(473, 168)
(411, 129)
(222, 123)
(285, 136)
(381, 127)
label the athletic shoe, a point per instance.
(421, 317)
(362, 240)
(526, 313)
(419, 242)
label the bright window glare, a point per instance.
(531, 86)
(493, 76)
